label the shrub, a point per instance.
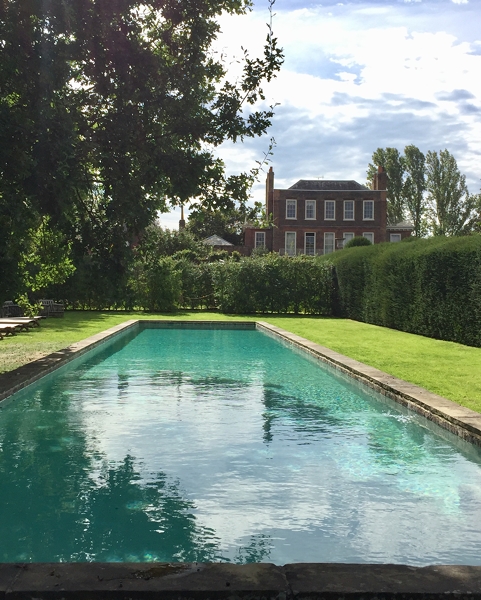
(359, 240)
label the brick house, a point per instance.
(318, 216)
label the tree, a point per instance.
(110, 112)
(414, 187)
(393, 162)
(452, 208)
(228, 224)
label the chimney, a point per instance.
(182, 220)
(380, 179)
(270, 192)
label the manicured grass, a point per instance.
(445, 368)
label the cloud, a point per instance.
(455, 95)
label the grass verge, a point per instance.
(445, 368)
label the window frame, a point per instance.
(261, 234)
(291, 202)
(291, 233)
(395, 234)
(326, 202)
(329, 233)
(310, 203)
(365, 203)
(353, 210)
(313, 235)
(371, 233)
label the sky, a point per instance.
(357, 76)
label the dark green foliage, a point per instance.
(359, 240)
(274, 283)
(429, 287)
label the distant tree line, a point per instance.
(428, 190)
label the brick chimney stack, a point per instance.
(182, 220)
(379, 181)
(270, 192)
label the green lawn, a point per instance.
(446, 368)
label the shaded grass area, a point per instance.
(445, 368)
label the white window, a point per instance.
(347, 237)
(369, 236)
(260, 239)
(310, 244)
(329, 210)
(290, 243)
(368, 212)
(328, 243)
(291, 209)
(394, 237)
(348, 210)
(310, 209)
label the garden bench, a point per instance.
(51, 308)
(10, 309)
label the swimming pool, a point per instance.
(221, 445)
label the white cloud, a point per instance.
(366, 75)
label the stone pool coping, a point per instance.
(257, 581)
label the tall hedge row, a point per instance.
(429, 287)
(269, 283)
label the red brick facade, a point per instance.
(318, 217)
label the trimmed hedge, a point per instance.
(429, 287)
(274, 283)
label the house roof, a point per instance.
(332, 185)
(402, 225)
(215, 240)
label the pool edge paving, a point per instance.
(203, 581)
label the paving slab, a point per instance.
(331, 580)
(169, 581)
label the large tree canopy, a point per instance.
(109, 112)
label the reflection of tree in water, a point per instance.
(306, 418)
(258, 550)
(54, 508)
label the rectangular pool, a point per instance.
(226, 445)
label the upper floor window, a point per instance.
(369, 236)
(330, 209)
(291, 209)
(310, 209)
(368, 212)
(260, 239)
(348, 210)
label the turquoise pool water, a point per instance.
(180, 445)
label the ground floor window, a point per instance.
(260, 239)
(395, 237)
(347, 237)
(369, 236)
(310, 244)
(290, 243)
(328, 243)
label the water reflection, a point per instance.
(179, 451)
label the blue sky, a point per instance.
(360, 75)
